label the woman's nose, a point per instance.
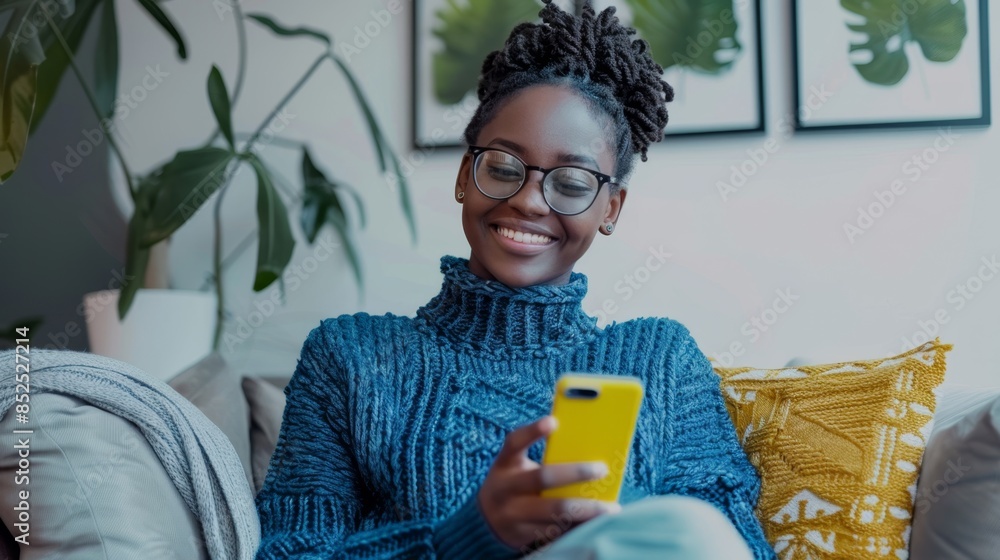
(529, 200)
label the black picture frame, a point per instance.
(800, 99)
(422, 138)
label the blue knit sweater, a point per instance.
(393, 422)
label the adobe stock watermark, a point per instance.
(91, 480)
(710, 33)
(38, 17)
(959, 297)
(60, 339)
(456, 116)
(754, 328)
(912, 169)
(94, 137)
(363, 35)
(757, 158)
(901, 13)
(293, 277)
(632, 282)
(931, 493)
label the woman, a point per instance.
(422, 437)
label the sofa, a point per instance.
(958, 493)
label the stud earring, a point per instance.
(609, 228)
(460, 196)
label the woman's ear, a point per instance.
(462, 180)
(615, 204)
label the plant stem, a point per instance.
(282, 183)
(241, 40)
(284, 101)
(217, 248)
(277, 141)
(93, 103)
(220, 306)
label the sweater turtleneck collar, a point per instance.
(487, 315)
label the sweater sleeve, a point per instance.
(313, 504)
(704, 458)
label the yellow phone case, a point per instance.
(596, 417)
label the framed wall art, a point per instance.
(711, 54)
(710, 50)
(891, 63)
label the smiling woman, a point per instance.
(422, 437)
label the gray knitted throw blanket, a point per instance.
(195, 453)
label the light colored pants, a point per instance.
(661, 527)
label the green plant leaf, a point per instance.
(106, 62)
(289, 31)
(382, 149)
(20, 55)
(695, 34)
(219, 98)
(27, 40)
(321, 205)
(320, 196)
(357, 202)
(183, 185)
(276, 243)
(469, 31)
(136, 262)
(165, 22)
(339, 222)
(50, 73)
(938, 26)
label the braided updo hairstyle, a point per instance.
(597, 56)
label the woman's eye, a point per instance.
(504, 173)
(573, 189)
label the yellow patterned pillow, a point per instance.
(838, 449)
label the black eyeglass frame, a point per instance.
(477, 151)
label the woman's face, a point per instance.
(546, 126)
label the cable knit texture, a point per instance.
(393, 422)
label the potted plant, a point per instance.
(41, 46)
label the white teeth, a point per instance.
(523, 237)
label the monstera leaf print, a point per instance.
(695, 34)
(938, 26)
(469, 31)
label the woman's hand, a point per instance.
(510, 496)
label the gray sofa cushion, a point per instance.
(97, 489)
(215, 389)
(267, 404)
(957, 506)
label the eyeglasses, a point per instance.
(568, 190)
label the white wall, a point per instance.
(782, 231)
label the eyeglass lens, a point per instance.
(567, 190)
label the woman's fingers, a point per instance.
(563, 512)
(516, 444)
(551, 476)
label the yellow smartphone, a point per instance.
(596, 417)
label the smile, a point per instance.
(523, 237)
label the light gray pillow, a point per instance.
(96, 488)
(267, 404)
(957, 505)
(215, 389)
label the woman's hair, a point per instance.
(594, 54)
